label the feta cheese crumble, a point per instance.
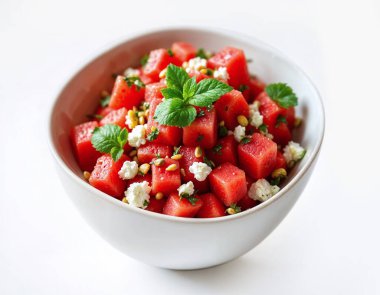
(221, 73)
(293, 153)
(262, 190)
(131, 72)
(195, 63)
(137, 136)
(255, 118)
(200, 170)
(128, 170)
(186, 188)
(239, 133)
(138, 194)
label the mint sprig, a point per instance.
(282, 94)
(183, 93)
(110, 139)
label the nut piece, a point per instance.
(159, 162)
(198, 152)
(86, 175)
(221, 123)
(159, 196)
(142, 120)
(203, 71)
(231, 211)
(132, 118)
(176, 157)
(280, 172)
(242, 120)
(163, 73)
(183, 172)
(297, 122)
(144, 168)
(124, 200)
(171, 167)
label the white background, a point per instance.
(329, 243)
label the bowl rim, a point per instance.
(194, 29)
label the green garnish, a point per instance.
(217, 149)
(222, 131)
(243, 87)
(176, 151)
(153, 135)
(170, 52)
(202, 53)
(95, 116)
(263, 128)
(235, 208)
(105, 101)
(200, 137)
(146, 203)
(245, 140)
(191, 198)
(208, 162)
(110, 139)
(275, 181)
(280, 119)
(134, 81)
(201, 113)
(282, 94)
(144, 59)
(183, 93)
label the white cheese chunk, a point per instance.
(137, 136)
(138, 194)
(221, 73)
(128, 170)
(186, 188)
(200, 170)
(293, 153)
(262, 190)
(239, 133)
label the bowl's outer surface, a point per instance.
(166, 241)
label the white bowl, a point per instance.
(166, 241)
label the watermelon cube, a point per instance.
(124, 95)
(158, 60)
(256, 86)
(149, 151)
(212, 207)
(231, 105)
(103, 111)
(202, 131)
(156, 205)
(105, 176)
(281, 133)
(165, 181)
(188, 158)
(153, 91)
(140, 178)
(225, 150)
(81, 141)
(258, 157)
(168, 135)
(183, 51)
(234, 60)
(228, 183)
(116, 117)
(181, 207)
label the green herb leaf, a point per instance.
(201, 53)
(217, 149)
(153, 135)
(245, 140)
(235, 207)
(95, 116)
(146, 203)
(222, 131)
(192, 199)
(201, 113)
(281, 119)
(110, 139)
(105, 101)
(175, 112)
(209, 91)
(189, 88)
(171, 93)
(282, 94)
(263, 128)
(176, 151)
(243, 87)
(170, 52)
(134, 81)
(275, 181)
(144, 59)
(209, 162)
(176, 77)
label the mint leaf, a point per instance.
(282, 94)
(175, 112)
(170, 52)
(171, 93)
(209, 91)
(110, 139)
(134, 81)
(217, 149)
(144, 59)
(189, 88)
(176, 77)
(153, 135)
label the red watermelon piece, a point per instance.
(164, 181)
(149, 151)
(81, 141)
(105, 176)
(116, 117)
(228, 183)
(183, 51)
(181, 207)
(212, 207)
(124, 95)
(256, 86)
(225, 150)
(158, 60)
(280, 161)
(258, 157)
(153, 91)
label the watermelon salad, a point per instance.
(190, 133)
